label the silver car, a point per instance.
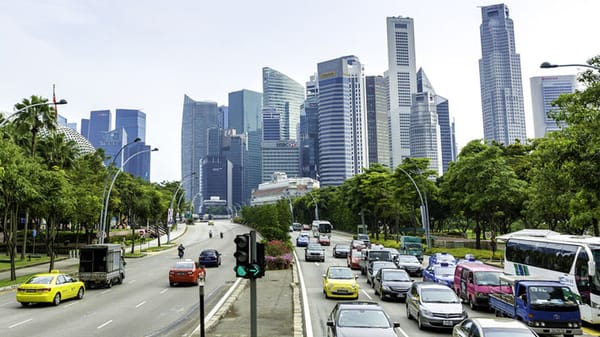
(434, 305)
(314, 252)
(493, 326)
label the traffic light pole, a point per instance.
(253, 307)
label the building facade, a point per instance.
(99, 123)
(245, 118)
(378, 126)
(309, 131)
(280, 156)
(198, 117)
(343, 150)
(544, 90)
(133, 121)
(500, 78)
(402, 83)
(285, 96)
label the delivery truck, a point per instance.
(548, 307)
(101, 265)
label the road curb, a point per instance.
(296, 304)
(224, 309)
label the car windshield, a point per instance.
(379, 265)
(445, 258)
(414, 246)
(341, 274)
(444, 271)
(502, 332)
(550, 295)
(487, 278)
(208, 253)
(313, 246)
(438, 295)
(344, 248)
(184, 265)
(395, 275)
(356, 254)
(407, 259)
(40, 280)
(359, 318)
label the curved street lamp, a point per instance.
(14, 114)
(103, 223)
(170, 215)
(102, 215)
(547, 65)
(424, 208)
(316, 206)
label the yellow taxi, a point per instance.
(50, 287)
(340, 282)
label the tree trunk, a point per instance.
(477, 231)
(24, 249)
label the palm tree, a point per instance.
(56, 151)
(34, 115)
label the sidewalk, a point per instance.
(278, 308)
(70, 264)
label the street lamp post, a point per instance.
(102, 213)
(101, 239)
(171, 211)
(316, 206)
(287, 194)
(424, 208)
(547, 65)
(14, 114)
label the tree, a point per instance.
(33, 116)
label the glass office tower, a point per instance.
(343, 150)
(500, 78)
(198, 118)
(544, 90)
(285, 96)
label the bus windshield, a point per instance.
(595, 280)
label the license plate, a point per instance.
(180, 273)
(31, 290)
(447, 323)
(342, 291)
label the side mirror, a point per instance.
(323, 275)
(329, 323)
(396, 324)
(356, 277)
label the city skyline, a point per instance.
(100, 58)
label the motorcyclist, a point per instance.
(180, 250)
(210, 233)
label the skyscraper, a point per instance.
(285, 96)
(85, 127)
(133, 121)
(544, 90)
(309, 131)
(198, 117)
(343, 150)
(100, 123)
(244, 117)
(402, 83)
(378, 120)
(500, 77)
(280, 156)
(425, 138)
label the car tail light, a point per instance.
(44, 290)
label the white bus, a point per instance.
(572, 260)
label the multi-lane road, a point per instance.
(320, 307)
(145, 305)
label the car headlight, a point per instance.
(330, 286)
(354, 285)
(426, 312)
(385, 286)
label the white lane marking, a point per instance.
(105, 324)
(164, 290)
(139, 305)
(105, 291)
(402, 331)
(317, 264)
(364, 292)
(70, 304)
(132, 281)
(17, 324)
(307, 322)
(7, 303)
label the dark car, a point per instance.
(364, 238)
(341, 250)
(374, 267)
(410, 263)
(360, 318)
(392, 283)
(209, 258)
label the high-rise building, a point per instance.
(309, 131)
(425, 139)
(280, 156)
(402, 83)
(198, 117)
(446, 132)
(271, 120)
(133, 121)
(245, 118)
(378, 120)
(100, 123)
(343, 150)
(234, 151)
(85, 127)
(544, 90)
(285, 96)
(500, 78)
(112, 142)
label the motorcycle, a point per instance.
(180, 253)
(210, 234)
(221, 235)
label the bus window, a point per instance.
(582, 280)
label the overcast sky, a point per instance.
(147, 54)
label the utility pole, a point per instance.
(253, 306)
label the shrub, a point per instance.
(276, 248)
(278, 262)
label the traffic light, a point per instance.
(242, 255)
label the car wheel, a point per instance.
(381, 296)
(109, 284)
(419, 322)
(172, 284)
(25, 304)
(56, 300)
(408, 316)
(80, 293)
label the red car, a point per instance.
(324, 240)
(354, 258)
(185, 271)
